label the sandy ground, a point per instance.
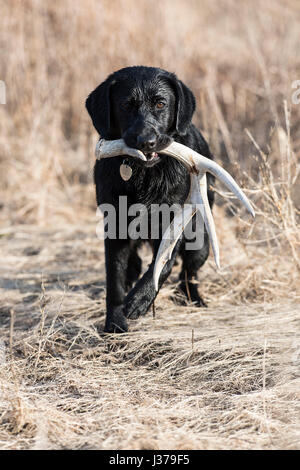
(225, 377)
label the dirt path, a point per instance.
(222, 377)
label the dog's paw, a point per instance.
(200, 302)
(116, 322)
(188, 293)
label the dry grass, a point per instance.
(223, 377)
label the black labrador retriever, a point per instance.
(149, 108)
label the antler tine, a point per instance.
(200, 194)
(170, 238)
(114, 148)
(197, 163)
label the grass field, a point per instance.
(225, 377)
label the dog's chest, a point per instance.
(168, 182)
(165, 183)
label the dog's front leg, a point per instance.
(140, 298)
(116, 261)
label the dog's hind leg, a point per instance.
(192, 260)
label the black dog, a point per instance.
(148, 108)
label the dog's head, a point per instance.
(145, 106)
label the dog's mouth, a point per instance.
(152, 158)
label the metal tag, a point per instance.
(125, 172)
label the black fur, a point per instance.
(125, 105)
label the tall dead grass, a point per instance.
(222, 377)
(240, 59)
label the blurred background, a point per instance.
(63, 385)
(221, 377)
(239, 58)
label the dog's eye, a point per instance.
(160, 105)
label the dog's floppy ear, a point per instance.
(185, 105)
(99, 108)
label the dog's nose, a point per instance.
(146, 143)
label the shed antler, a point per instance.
(198, 166)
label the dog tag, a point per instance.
(125, 172)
